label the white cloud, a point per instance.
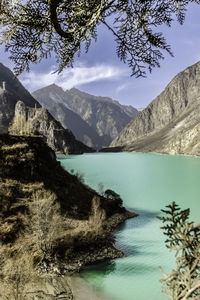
(71, 77)
(122, 87)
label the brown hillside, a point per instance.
(50, 223)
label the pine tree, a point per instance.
(34, 29)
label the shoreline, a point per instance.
(96, 252)
(52, 225)
(82, 290)
(141, 152)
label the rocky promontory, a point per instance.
(51, 224)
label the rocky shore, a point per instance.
(94, 252)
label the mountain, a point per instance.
(171, 122)
(11, 91)
(53, 98)
(107, 116)
(94, 120)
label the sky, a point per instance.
(101, 73)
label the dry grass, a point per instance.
(14, 146)
(46, 214)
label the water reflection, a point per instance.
(144, 217)
(99, 272)
(135, 268)
(104, 268)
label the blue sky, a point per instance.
(100, 72)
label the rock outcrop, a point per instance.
(94, 120)
(11, 91)
(28, 120)
(50, 223)
(171, 123)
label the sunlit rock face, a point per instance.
(31, 121)
(171, 122)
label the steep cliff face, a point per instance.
(50, 223)
(98, 119)
(28, 120)
(170, 123)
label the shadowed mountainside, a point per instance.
(94, 120)
(14, 91)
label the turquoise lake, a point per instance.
(146, 183)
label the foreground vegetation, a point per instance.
(183, 237)
(51, 224)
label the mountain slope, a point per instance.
(103, 117)
(13, 91)
(170, 124)
(107, 116)
(53, 98)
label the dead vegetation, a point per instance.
(46, 215)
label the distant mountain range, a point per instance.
(58, 138)
(95, 121)
(170, 123)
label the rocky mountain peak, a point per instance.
(75, 90)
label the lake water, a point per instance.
(146, 183)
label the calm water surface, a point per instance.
(146, 183)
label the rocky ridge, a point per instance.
(11, 91)
(51, 224)
(171, 123)
(28, 120)
(98, 119)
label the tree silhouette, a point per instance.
(34, 29)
